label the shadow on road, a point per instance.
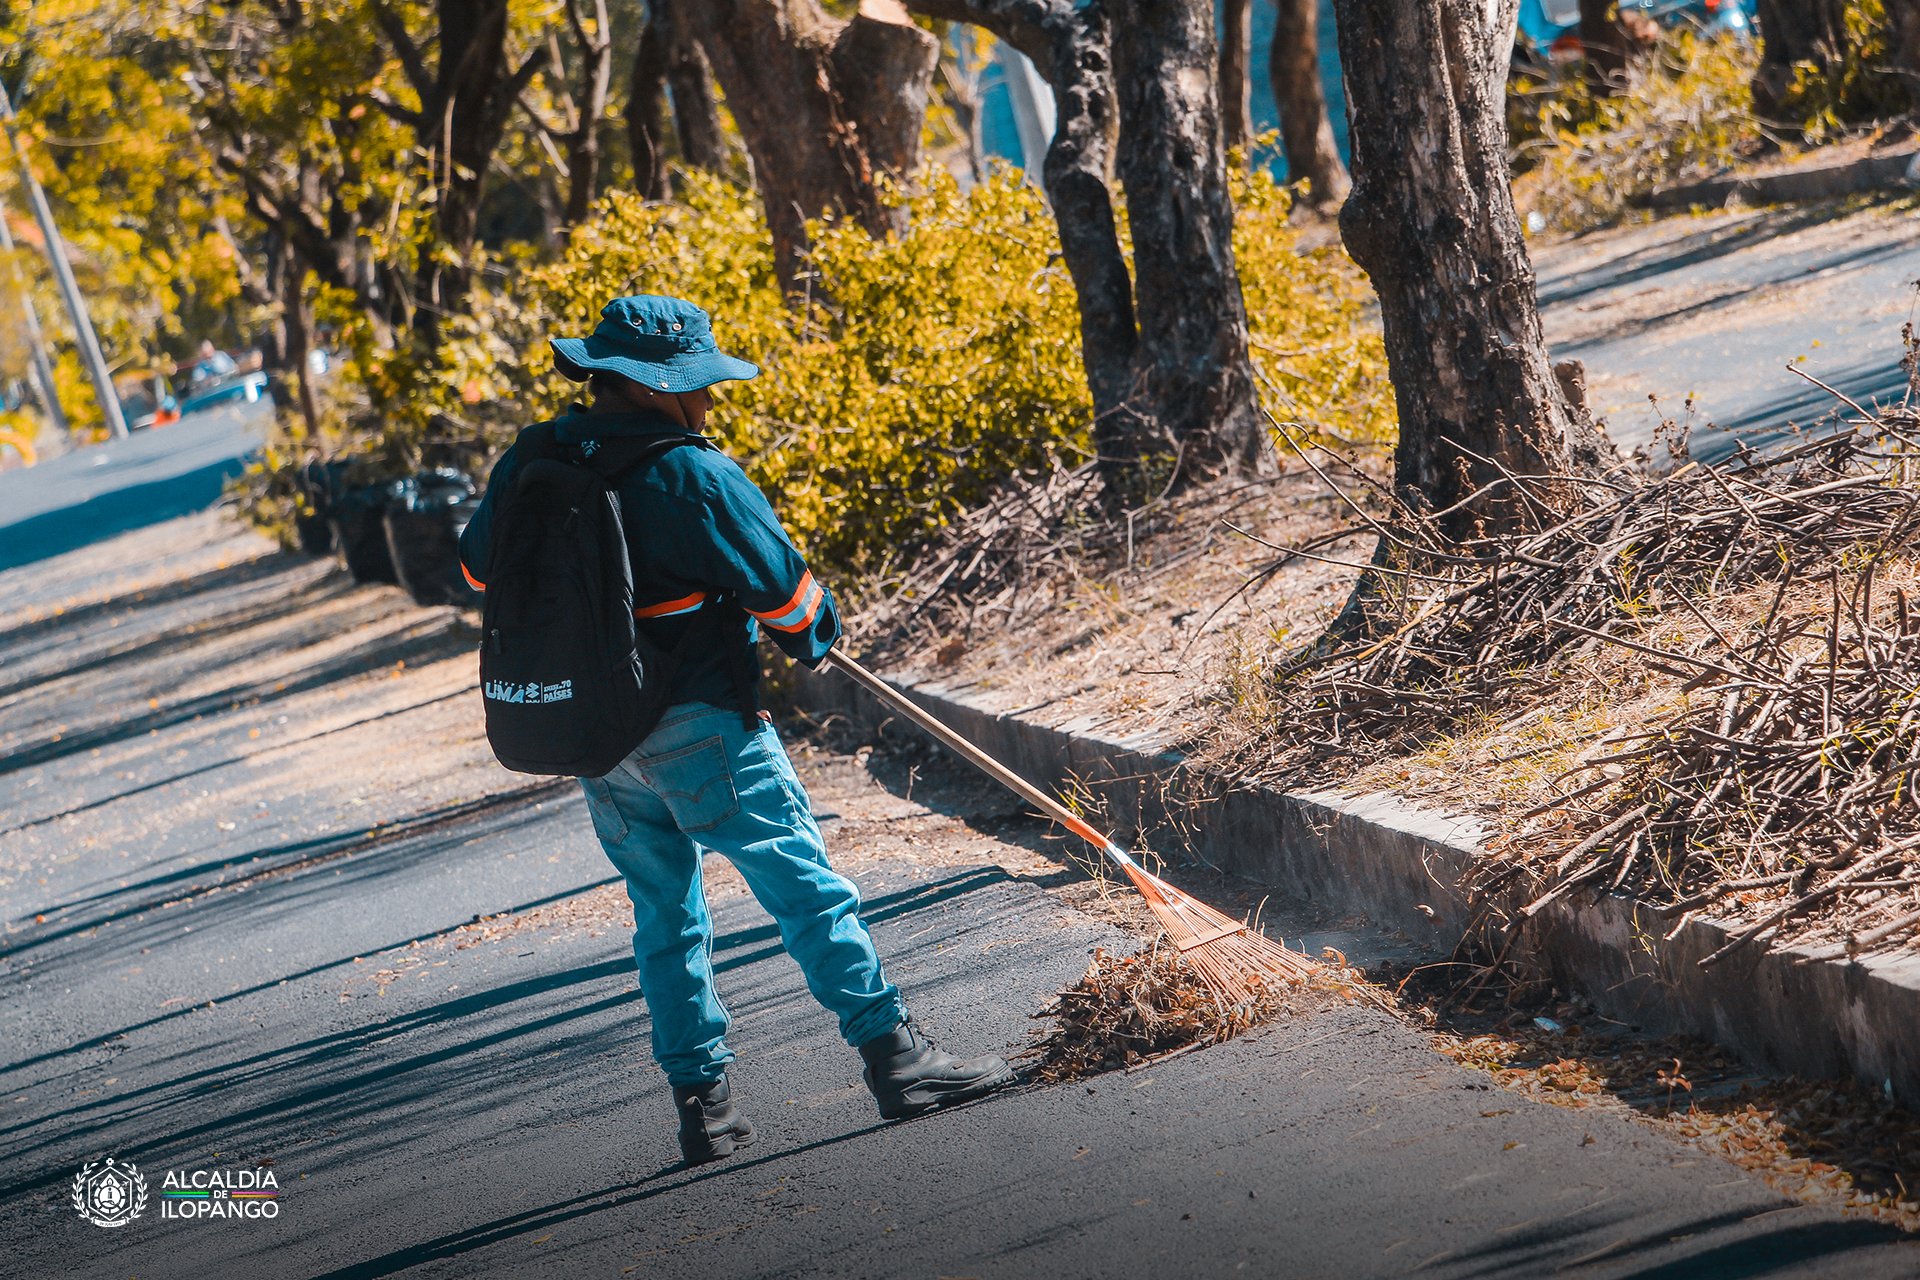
(438, 829)
(229, 762)
(81, 618)
(1868, 382)
(1761, 1255)
(1634, 266)
(1538, 1251)
(328, 1090)
(166, 643)
(421, 642)
(485, 1234)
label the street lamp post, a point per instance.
(63, 275)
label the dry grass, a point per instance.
(1059, 617)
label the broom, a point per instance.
(1236, 962)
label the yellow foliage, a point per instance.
(918, 373)
(1861, 85)
(1686, 111)
(920, 370)
(1316, 346)
(110, 134)
(17, 432)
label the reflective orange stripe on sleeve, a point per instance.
(685, 604)
(798, 613)
(472, 581)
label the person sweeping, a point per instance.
(640, 616)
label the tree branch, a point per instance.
(516, 84)
(405, 49)
(577, 19)
(395, 111)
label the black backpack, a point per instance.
(570, 685)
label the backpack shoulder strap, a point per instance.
(537, 441)
(614, 456)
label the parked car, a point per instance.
(248, 386)
(1552, 27)
(146, 401)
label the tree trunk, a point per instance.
(297, 325)
(1192, 369)
(825, 107)
(1903, 45)
(282, 265)
(646, 124)
(1431, 220)
(1306, 134)
(1794, 32)
(468, 123)
(696, 113)
(1070, 46)
(1236, 84)
(1603, 48)
(1179, 384)
(595, 48)
(669, 59)
(1078, 169)
(464, 106)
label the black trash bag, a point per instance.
(424, 522)
(317, 482)
(358, 517)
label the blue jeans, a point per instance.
(704, 781)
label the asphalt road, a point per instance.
(269, 904)
(89, 494)
(1715, 307)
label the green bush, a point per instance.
(917, 372)
(1860, 87)
(1315, 341)
(1686, 112)
(915, 377)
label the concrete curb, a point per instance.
(1406, 868)
(1893, 171)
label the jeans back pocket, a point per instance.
(695, 783)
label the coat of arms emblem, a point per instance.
(109, 1193)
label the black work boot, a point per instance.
(908, 1075)
(710, 1125)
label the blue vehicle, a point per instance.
(248, 386)
(1551, 28)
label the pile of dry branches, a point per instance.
(1476, 625)
(1006, 564)
(1787, 775)
(1778, 787)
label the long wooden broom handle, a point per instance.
(967, 751)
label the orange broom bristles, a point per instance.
(1238, 963)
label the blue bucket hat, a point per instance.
(665, 344)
